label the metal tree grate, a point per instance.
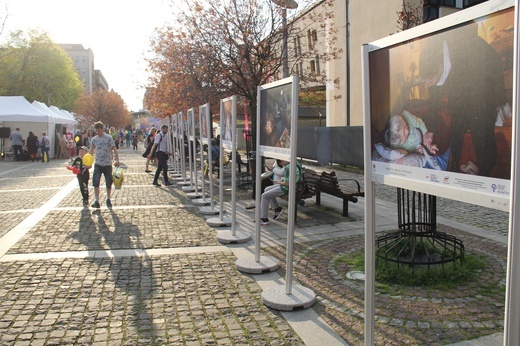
(417, 242)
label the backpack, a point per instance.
(301, 185)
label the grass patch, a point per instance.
(436, 277)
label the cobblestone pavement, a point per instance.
(150, 271)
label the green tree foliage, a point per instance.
(33, 66)
(105, 106)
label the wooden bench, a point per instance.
(327, 182)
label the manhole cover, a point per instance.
(356, 275)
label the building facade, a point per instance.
(338, 58)
(83, 59)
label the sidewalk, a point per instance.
(151, 272)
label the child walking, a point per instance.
(82, 172)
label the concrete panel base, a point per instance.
(276, 298)
(251, 266)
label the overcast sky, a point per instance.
(117, 31)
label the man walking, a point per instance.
(17, 143)
(102, 145)
(162, 155)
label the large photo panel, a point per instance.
(275, 118)
(441, 108)
(203, 121)
(226, 121)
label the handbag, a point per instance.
(147, 151)
(118, 177)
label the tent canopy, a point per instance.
(68, 117)
(17, 108)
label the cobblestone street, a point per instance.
(150, 271)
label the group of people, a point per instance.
(156, 144)
(32, 148)
(103, 147)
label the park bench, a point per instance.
(327, 182)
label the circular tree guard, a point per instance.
(417, 242)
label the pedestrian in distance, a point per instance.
(162, 155)
(45, 144)
(17, 144)
(32, 146)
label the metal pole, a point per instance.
(285, 58)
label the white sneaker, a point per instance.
(251, 205)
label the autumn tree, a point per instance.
(183, 76)
(215, 50)
(410, 15)
(33, 66)
(105, 106)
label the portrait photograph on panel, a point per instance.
(203, 123)
(443, 102)
(275, 116)
(174, 126)
(227, 121)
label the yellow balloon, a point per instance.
(76, 139)
(88, 159)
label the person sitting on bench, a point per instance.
(278, 189)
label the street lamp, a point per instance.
(285, 4)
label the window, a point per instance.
(313, 66)
(318, 64)
(469, 3)
(297, 46)
(312, 38)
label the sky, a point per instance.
(117, 31)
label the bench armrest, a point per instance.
(354, 180)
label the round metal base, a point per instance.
(251, 266)
(217, 222)
(276, 298)
(210, 211)
(227, 237)
(183, 183)
(201, 201)
(188, 188)
(192, 195)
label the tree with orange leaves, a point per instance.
(215, 50)
(105, 106)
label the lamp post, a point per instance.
(285, 4)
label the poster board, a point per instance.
(227, 112)
(275, 117)
(204, 121)
(440, 106)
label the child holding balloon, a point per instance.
(80, 166)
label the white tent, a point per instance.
(56, 118)
(17, 112)
(17, 108)
(69, 118)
